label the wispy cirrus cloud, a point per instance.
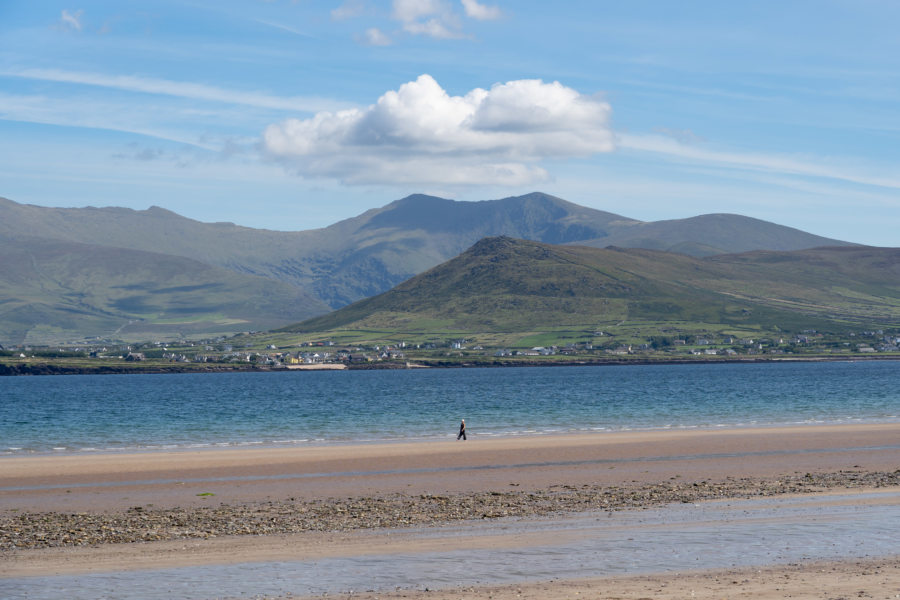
(797, 165)
(421, 134)
(349, 9)
(156, 122)
(375, 37)
(283, 27)
(71, 20)
(181, 89)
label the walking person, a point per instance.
(462, 430)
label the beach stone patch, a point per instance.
(28, 530)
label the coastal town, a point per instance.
(243, 352)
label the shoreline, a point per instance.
(40, 369)
(532, 436)
(55, 464)
(110, 482)
(121, 512)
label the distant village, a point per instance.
(806, 343)
(325, 353)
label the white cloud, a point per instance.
(436, 28)
(437, 18)
(376, 37)
(480, 12)
(71, 19)
(181, 89)
(433, 18)
(421, 134)
(413, 10)
(349, 10)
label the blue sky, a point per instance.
(295, 114)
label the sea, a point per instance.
(68, 415)
(145, 413)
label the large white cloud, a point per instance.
(421, 134)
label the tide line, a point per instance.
(488, 467)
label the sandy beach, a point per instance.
(76, 513)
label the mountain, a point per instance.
(339, 264)
(371, 253)
(707, 235)
(386, 246)
(383, 247)
(52, 291)
(504, 289)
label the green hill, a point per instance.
(510, 291)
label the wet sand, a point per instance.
(743, 462)
(111, 482)
(871, 578)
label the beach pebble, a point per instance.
(21, 531)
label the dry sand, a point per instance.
(112, 483)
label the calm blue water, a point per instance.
(90, 413)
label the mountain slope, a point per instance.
(52, 291)
(707, 235)
(503, 285)
(371, 253)
(387, 246)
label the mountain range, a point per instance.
(69, 273)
